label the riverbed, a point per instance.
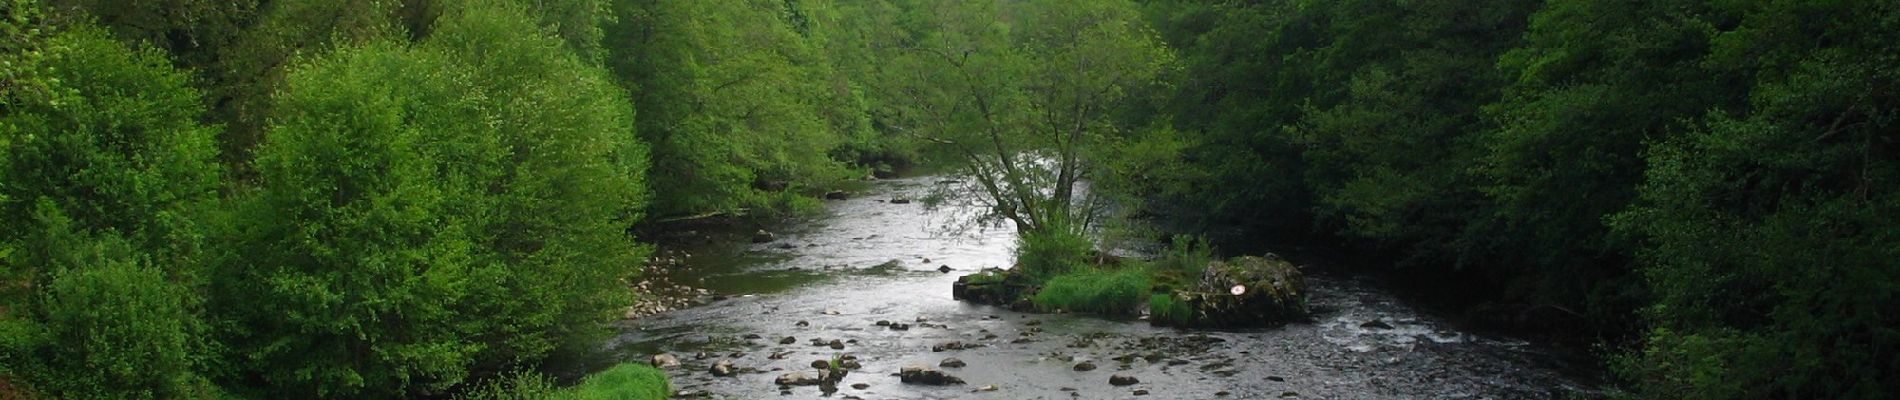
(881, 256)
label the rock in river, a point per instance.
(925, 376)
(1241, 292)
(1085, 366)
(1376, 323)
(1122, 380)
(797, 379)
(722, 368)
(951, 362)
(763, 237)
(665, 361)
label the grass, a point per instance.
(1101, 291)
(1166, 309)
(624, 381)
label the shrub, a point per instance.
(103, 166)
(1111, 292)
(1051, 252)
(426, 211)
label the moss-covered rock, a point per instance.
(1241, 292)
(998, 287)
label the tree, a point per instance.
(733, 98)
(104, 173)
(1770, 233)
(1025, 95)
(428, 213)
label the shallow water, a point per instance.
(825, 272)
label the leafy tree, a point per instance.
(103, 173)
(1770, 231)
(428, 212)
(1026, 105)
(731, 96)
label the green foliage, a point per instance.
(1044, 255)
(1118, 291)
(103, 168)
(116, 148)
(1024, 95)
(625, 381)
(453, 206)
(1721, 157)
(734, 100)
(111, 327)
(1165, 309)
(1771, 233)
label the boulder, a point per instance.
(665, 361)
(797, 379)
(1084, 366)
(1122, 380)
(1241, 292)
(996, 287)
(925, 376)
(722, 368)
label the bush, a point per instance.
(103, 167)
(622, 382)
(1051, 252)
(1111, 292)
(426, 211)
(116, 328)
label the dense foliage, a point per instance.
(1718, 171)
(399, 198)
(104, 167)
(481, 172)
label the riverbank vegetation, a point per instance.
(321, 199)
(378, 199)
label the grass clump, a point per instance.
(1166, 309)
(1051, 253)
(625, 381)
(1102, 291)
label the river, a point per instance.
(828, 278)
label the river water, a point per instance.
(829, 277)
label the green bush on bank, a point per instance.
(622, 382)
(430, 210)
(1051, 252)
(102, 168)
